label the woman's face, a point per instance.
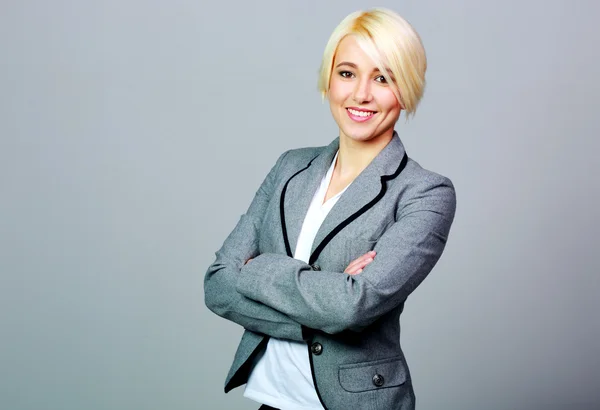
(362, 103)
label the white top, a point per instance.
(281, 377)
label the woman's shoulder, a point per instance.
(420, 176)
(425, 189)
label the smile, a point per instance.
(360, 115)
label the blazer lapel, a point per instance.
(298, 194)
(362, 194)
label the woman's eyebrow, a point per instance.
(347, 63)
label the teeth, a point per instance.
(360, 113)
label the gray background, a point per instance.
(134, 134)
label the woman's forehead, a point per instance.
(351, 52)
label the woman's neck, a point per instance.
(354, 156)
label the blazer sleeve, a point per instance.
(335, 301)
(220, 292)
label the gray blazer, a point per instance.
(350, 324)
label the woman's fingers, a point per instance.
(361, 261)
(358, 264)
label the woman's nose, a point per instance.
(362, 91)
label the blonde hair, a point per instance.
(392, 43)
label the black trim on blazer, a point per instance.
(307, 333)
(241, 375)
(315, 255)
(312, 373)
(288, 249)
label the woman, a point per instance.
(336, 238)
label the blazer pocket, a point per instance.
(379, 374)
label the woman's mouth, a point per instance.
(360, 115)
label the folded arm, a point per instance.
(220, 292)
(336, 301)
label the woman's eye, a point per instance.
(381, 79)
(345, 74)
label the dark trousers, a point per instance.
(265, 407)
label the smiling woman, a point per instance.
(361, 100)
(318, 269)
(393, 48)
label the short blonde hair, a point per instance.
(392, 43)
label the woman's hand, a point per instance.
(357, 265)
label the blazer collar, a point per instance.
(299, 191)
(364, 192)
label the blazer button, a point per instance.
(314, 266)
(378, 380)
(316, 348)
